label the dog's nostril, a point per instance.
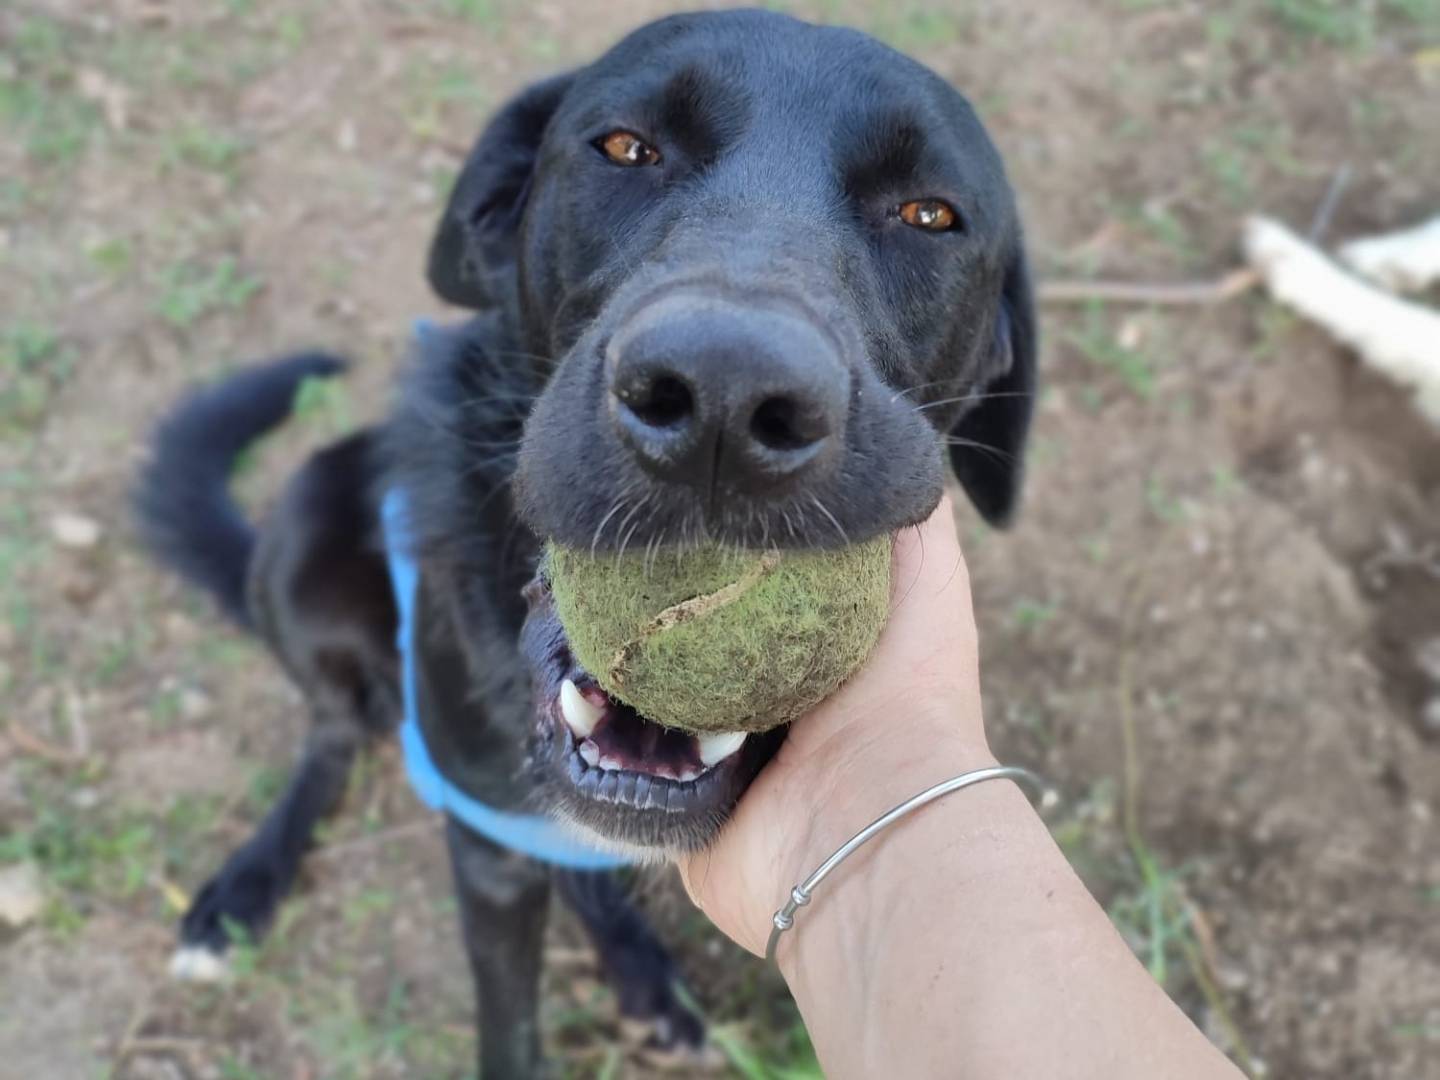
(666, 402)
(779, 424)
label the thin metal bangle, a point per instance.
(801, 894)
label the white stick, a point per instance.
(1405, 261)
(1397, 338)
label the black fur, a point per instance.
(183, 504)
(769, 221)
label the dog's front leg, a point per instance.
(504, 899)
(637, 966)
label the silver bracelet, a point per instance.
(801, 894)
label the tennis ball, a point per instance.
(717, 640)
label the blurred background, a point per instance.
(1215, 626)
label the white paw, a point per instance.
(197, 964)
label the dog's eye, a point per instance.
(931, 214)
(627, 148)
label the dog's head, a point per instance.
(770, 273)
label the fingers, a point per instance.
(928, 575)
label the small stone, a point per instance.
(1430, 717)
(80, 588)
(22, 895)
(195, 704)
(1427, 658)
(75, 530)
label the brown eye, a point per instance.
(627, 148)
(929, 214)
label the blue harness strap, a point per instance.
(529, 834)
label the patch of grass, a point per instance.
(489, 14)
(290, 30)
(37, 98)
(33, 366)
(116, 657)
(1338, 22)
(1027, 615)
(1224, 482)
(324, 404)
(1161, 224)
(223, 649)
(263, 788)
(189, 292)
(1137, 370)
(90, 855)
(1165, 506)
(1097, 548)
(356, 1041)
(794, 1060)
(914, 27)
(232, 1068)
(358, 909)
(1230, 168)
(196, 145)
(112, 257)
(1350, 23)
(431, 90)
(1276, 324)
(84, 856)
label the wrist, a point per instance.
(848, 792)
(915, 910)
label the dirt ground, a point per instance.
(1215, 627)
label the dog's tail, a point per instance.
(187, 516)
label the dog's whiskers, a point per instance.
(984, 396)
(994, 452)
(844, 539)
(600, 529)
(625, 539)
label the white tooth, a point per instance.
(610, 764)
(580, 715)
(590, 753)
(686, 775)
(716, 748)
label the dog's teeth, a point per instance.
(610, 764)
(590, 753)
(716, 748)
(686, 775)
(580, 715)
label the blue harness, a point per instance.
(528, 834)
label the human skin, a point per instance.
(958, 942)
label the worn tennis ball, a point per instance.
(718, 640)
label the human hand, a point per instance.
(909, 718)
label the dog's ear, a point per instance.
(475, 240)
(988, 444)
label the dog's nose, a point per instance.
(724, 398)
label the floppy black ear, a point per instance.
(988, 453)
(474, 243)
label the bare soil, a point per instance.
(1219, 600)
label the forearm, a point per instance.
(960, 943)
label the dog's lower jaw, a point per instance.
(639, 854)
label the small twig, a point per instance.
(426, 824)
(79, 729)
(1325, 212)
(131, 1039)
(30, 743)
(1233, 284)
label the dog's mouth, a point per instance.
(612, 772)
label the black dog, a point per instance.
(740, 280)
